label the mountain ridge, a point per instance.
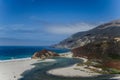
(104, 31)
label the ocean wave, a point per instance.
(19, 59)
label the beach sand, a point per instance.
(76, 71)
(73, 71)
(12, 70)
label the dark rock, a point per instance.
(44, 54)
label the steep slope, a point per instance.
(99, 49)
(102, 32)
(106, 53)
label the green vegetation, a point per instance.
(105, 70)
(88, 63)
(80, 64)
(111, 70)
(114, 56)
(103, 55)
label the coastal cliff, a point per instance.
(100, 45)
(102, 32)
(99, 49)
(106, 53)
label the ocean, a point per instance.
(21, 52)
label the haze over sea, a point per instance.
(21, 52)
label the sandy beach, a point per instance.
(12, 70)
(76, 71)
(73, 71)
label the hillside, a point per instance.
(106, 53)
(99, 50)
(110, 30)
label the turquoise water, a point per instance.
(17, 52)
(39, 72)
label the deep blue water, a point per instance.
(16, 52)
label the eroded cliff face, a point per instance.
(99, 49)
(102, 32)
(44, 54)
(101, 43)
(112, 64)
(108, 52)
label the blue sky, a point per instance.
(46, 22)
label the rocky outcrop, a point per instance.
(44, 54)
(100, 33)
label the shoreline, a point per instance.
(18, 59)
(73, 71)
(29, 58)
(13, 69)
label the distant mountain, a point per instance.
(110, 30)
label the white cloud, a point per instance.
(69, 29)
(18, 28)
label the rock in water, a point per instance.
(44, 54)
